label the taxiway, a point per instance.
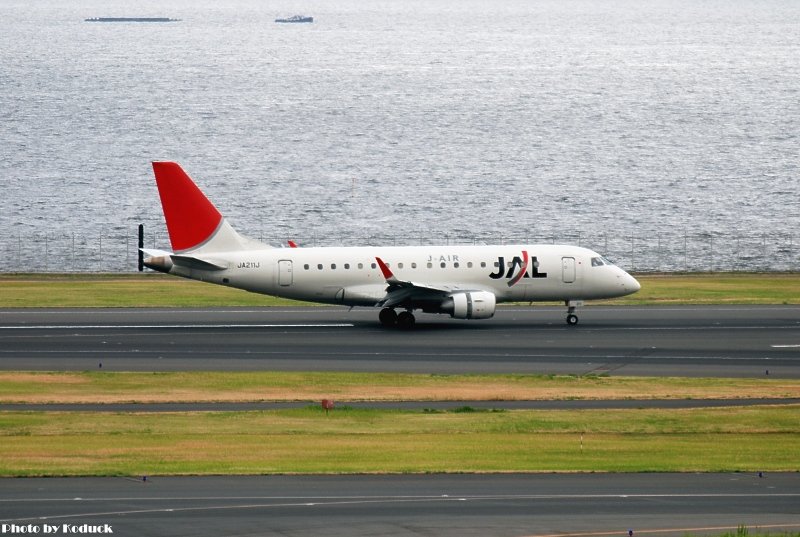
(589, 505)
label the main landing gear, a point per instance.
(572, 307)
(389, 317)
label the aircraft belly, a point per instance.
(553, 290)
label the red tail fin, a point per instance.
(191, 218)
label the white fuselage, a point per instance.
(351, 276)
(465, 282)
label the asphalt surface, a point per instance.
(581, 404)
(714, 341)
(441, 505)
(682, 341)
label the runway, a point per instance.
(442, 505)
(721, 341)
(684, 341)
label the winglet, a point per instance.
(292, 244)
(387, 273)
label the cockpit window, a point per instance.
(600, 261)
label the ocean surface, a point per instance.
(640, 127)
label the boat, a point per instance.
(131, 19)
(296, 18)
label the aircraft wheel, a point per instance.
(405, 320)
(388, 317)
(572, 319)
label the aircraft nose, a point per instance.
(631, 283)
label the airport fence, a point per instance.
(667, 252)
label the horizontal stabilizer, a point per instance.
(198, 263)
(153, 252)
(163, 261)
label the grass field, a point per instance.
(121, 291)
(385, 441)
(381, 441)
(716, 288)
(159, 290)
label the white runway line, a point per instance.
(293, 501)
(181, 326)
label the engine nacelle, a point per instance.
(470, 305)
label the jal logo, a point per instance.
(517, 269)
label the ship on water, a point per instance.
(131, 19)
(296, 18)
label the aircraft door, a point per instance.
(285, 275)
(568, 269)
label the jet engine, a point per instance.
(470, 305)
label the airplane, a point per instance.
(466, 282)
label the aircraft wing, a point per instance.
(401, 292)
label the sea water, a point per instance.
(407, 119)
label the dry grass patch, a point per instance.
(40, 378)
(164, 387)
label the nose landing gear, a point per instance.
(572, 307)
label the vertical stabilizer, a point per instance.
(193, 223)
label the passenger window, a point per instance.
(374, 265)
(455, 265)
(319, 266)
(430, 265)
(305, 267)
(347, 266)
(443, 265)
(360, 266)
(399, 265)
(483, 264)
(333, 266)
(469, 264)
(413, 265)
